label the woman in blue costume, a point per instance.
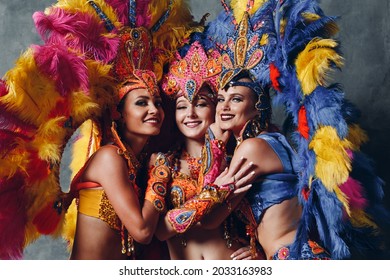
(310, 201)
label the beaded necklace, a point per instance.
(133, 164)
(194, 164)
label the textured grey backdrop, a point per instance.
(365, 37)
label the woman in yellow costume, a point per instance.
(100, 61)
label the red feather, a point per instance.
(48, 219)
(303, 127)
(38, 169)
(274, 75)
(62, 108)
(13, 217)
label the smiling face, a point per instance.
(193, 119)
(142, 114)
(236, 106)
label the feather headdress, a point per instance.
(288, 46)
(54, 88)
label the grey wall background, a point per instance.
(365, 37)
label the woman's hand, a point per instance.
(220, 134)
(240, 174)
(244, 253)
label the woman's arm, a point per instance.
(181, 219)
(110, 170)
(264, 160)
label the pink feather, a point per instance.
(142, 17)
(79, 31)
(92, 42)
(55, 26)
(12, 217)
(3, 88)
(355, 193)
(68, 70)
(122, 10)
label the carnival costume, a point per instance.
(94, 52)
(194, 195)
(286, 48)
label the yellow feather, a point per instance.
(361, 219)
(332, 162)
(15, 160)
(173, 33)
(239, 8)
(88, 141)
(13, 163)
(50, 139)
(264, 40)
(332, 28)
(343, 199)
(313, 64)
(69, 227)
(283, 24)
(31, 95)
(102, 94)
(357, 136)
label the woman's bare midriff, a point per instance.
(278, 226)
(201, 244)
(95, 240)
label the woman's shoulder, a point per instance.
(107, 155)
(254, 148)
(252, 144)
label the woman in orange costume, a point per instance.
(192, 80)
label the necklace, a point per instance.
(125, 151)
(194, 164)
(133, 164)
